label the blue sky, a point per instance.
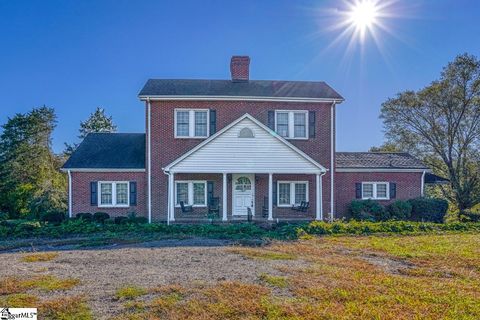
(77, 55)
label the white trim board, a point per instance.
(367, 170)
(236, 98)
(101, 170)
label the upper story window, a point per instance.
(375, 190)
(113, 194)
(191, 123)
(291, 124)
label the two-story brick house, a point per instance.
(255, 146)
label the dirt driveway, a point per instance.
(103, 271)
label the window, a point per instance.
(191, 123)
(375, 190)
(114, 194)
(292, 124)
(191, 193)
(292, 193)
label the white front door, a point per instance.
(243, 194)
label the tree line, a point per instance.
(31, 183)
(439, 124)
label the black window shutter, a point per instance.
(209, 192)
(393, 190)
(213, 121)
(311, 124)
(358, 190)
(274, 193)
(93, 193)
(271, 120)
(133, 193)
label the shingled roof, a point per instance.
(109, 151)
(250, 88)
(377, 160)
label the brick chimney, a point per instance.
(239, 68)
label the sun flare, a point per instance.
(363, 14)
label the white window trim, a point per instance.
(291, 123)
(375, 183)
(190, 193)
(114, 194)
(292, 193)
(191, 124)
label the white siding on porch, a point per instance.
(262, 154)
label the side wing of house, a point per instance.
(107, 174)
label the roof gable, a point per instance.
(227, 151)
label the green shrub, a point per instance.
(138, 220)
(428, 209)
(53, 217)
(100, 217)
(85, 216)
(367, 210)
(3, 216)
(121, 220)
(27, 228)
(399, 210)
(470, 217)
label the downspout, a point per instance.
(422, 183)
(149, 161)
(332, 159)
(69, 193)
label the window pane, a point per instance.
(122, 193)
(282, 124)
(299, 120)
(300, 192)
(200, 123)
(199, 193)
(105, 193)
(284, 193)
(182, 123)
(367, 190)
(182, 192)
(381, 190)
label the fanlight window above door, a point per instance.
(243, 184)
(246, 133)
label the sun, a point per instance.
(363, 15)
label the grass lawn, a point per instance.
(334, 277)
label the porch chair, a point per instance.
(303, 207)
(214, 207)
(185, 209)
(265, 207)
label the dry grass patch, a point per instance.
(66, 308)
(130, 292)
(276, 281)
(263, 254)
(39, 257)
(19, 300)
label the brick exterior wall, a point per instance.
(81, 192)
(408, 186)
(165, 148)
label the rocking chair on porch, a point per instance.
(185, 209)
(303, 207)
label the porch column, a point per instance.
(318, 199)
(224, 198)
(171, 194)
(270, 197)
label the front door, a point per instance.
(243, 194)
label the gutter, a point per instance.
(234, 98)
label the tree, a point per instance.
(441, 124)
(29, 170)
(98, 121)
(386, 147)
